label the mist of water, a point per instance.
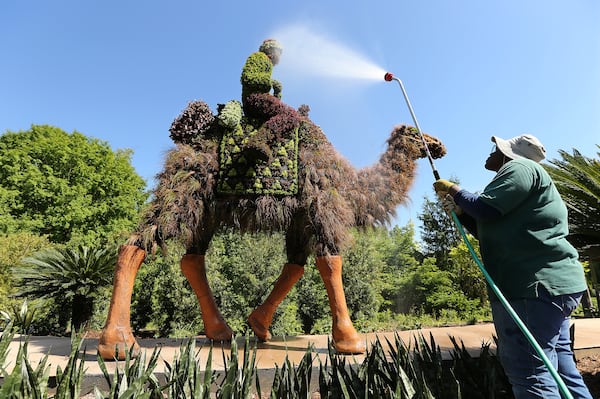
(306, 53)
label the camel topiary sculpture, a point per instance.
(262, 166)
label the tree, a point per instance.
(443, 241)
(401, 255)
(438, 232)
(401, 250)
(578, 180)
(313, 307)
(363, 271)
(13, 248)
(241, 269)
(467, 274)
(427, 289)
(71, 277)
(162, 298)
(67, 186)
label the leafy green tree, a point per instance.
(67, 186)
(401, 249)
(429, 290)
(13, 248)
(313, 305)
(371, 276)
(71, 277)
(438, 232)
(466, 273)
(363, 275)
(163, 300)
(443, 241)
(400, 254)
(241, 269)
(9, 199)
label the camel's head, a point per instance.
(407, 140)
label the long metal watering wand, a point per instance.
(388, 77)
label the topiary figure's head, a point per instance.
(273, 49)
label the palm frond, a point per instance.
(577, 178)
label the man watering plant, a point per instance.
(520, 221)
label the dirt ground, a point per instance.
(589, 367)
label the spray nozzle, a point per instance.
(388, 76)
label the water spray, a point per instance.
(559, 381)
(388, 78)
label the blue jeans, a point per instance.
(547, 318)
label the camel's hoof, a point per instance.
(350, 346)
(219, 332)
(118, 350)
(115, 342)
(256, 321)
(345, 337)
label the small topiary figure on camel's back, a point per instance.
(217, 177)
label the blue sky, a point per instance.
(121, 71)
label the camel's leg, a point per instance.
(215, 327)
(116, 335)
(260, 319)
(345, 337)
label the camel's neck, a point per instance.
(383, 187)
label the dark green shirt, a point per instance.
(527, 245)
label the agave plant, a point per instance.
(68, 381)
(482, 376)
(135, 380)
(293, 382)
(185, 377)
(400, 371)
(428, 362)
(239, 378)
(381, 375)
(25, 381)
(23, 317)
(6, 337)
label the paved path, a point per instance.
(587, 338)
(273, 353)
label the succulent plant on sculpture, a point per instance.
(301, 186)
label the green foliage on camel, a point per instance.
(243, 144)
(258, 149)
(256, 74)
